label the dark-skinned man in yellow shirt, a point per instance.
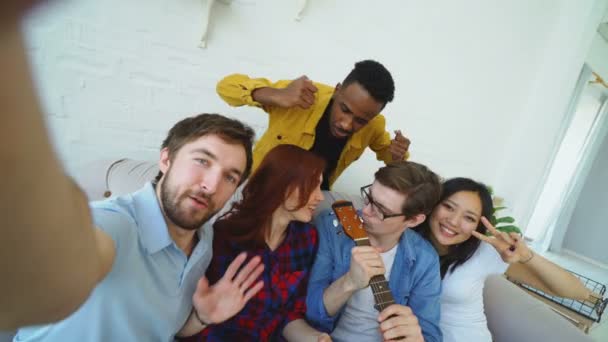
(338, 123)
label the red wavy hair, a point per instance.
(283, 170)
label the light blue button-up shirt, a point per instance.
(414, 280)
(147, 296)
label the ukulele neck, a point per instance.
(379, 285)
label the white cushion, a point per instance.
(514, 315)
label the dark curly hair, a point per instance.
(459, 254)
(375, 78)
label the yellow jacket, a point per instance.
(297, 126)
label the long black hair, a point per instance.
(460, 253)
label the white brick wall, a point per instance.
(115, 75)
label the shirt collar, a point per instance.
(151, 221)
(289, 232)
(355, 140)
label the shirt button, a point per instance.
(279, 137)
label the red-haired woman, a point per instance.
(272, 221)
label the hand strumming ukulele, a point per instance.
(353, 227)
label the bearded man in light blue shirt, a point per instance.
(156, 245)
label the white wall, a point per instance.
(481, 85)
(597, 58)
(587, 232)
(591, 98)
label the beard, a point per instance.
(177, 212)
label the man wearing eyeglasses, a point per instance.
(340, 300)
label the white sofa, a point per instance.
(513, 315)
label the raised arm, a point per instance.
(548, 277)
(527, 267)
(51, 255)
(365, 262)
(387, 149)
(327, 296)
(224, 299)
(238, 90)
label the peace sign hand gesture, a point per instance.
(511, 247)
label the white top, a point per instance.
(462, 312)
(359, 321)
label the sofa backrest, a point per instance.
(514, 315)
(111, 178)
(106, 178)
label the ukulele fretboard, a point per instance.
(379, 285)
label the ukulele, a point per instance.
(353, 227)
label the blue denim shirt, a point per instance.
(414, 281)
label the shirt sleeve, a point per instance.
(381, 140)
(117, 224)
(491, 260)
(321, 277)
(425, 301)
(236, 89)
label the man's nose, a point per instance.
(210, 181)
(346, 123)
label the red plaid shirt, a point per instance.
(283, 297)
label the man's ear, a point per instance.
(415, 220)
(165, 161)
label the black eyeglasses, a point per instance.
(376, 208)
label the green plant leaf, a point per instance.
(505, 219)
(496, 220)
(508, 229)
